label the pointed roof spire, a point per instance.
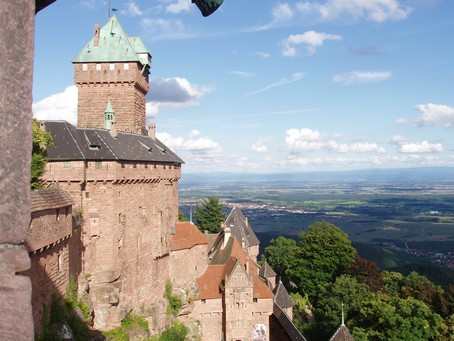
(109, 115)
(342, 320)
(111, 44)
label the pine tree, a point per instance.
(209, 215)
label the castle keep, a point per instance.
(122, 177)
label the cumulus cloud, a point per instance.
(401, 121)
(424, 146)
(433, 114)
(60, 106)
(311, 40)
(355, 147)
(421, 147)
(179, 6)
(194, 132)
(132, 10)
(202, 147)
(360, 77)
(259, 147)
(303, 140)
(372, 10)
(173, 93)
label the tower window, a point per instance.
(126, 66)
(84, 67)
(112, 67)
(98, 67)
(98, 164)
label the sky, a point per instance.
(274, 86)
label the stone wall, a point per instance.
(16, 71)
(193, 261)
(49, 275)
(129, 212)
(126, 86)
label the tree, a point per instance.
(367, 272)
(209, 215)
(346, 290)
(181, 216)
(41, 140)
(323, 252)
(280, 255)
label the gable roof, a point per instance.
(71, 143)
(342, 334)
(240, 228)
(50, 198)
(186, 236)
(114, 46)
(266, 271)
(282, 297)
(221, 263)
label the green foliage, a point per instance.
(323, 252)
(209, 215)
(129, 323)
(175, 302)
(177, 332)
(367, 272)
(280, 255)
(74, 302)
(41, 140)
(181, 216)
(328, 307)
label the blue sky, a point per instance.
(266, 86)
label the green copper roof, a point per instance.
(114, 46)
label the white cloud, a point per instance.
(432, 114)
(402, 121)
(261, 54)
(421, 147)
(60, 106)
(179, 6)
(310, 39)
(132, 10)
(201, 147)
(424, 146)
(194, 132)
(173, 93)
(355, 147)
(162, 29)
(281, 15)
(243, 74)
(303, 140)
(259, 147)
(294, 78)
(373, 10)
(360, 77)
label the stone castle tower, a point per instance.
(115, 67)
(123, 179)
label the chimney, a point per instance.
(113, 129)
(227, 234)
(152, 130)
(42, 125)
(96, 37)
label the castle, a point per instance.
(124, 181)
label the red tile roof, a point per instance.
(212, 280)
(186, 236)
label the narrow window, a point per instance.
(84, 67)
(57, 216)
(66, 164)
(112, 67)
(87, 195)
(123, 165)
(98, 164)
(98, 67)
(126, 66)
(134, 165)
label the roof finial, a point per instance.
(342, 321)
